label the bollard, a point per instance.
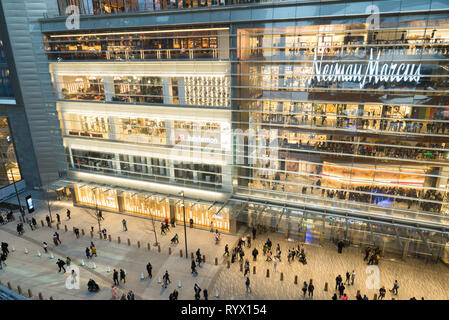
(19, 290)
(9, 286)
(180, 253)
(82, 232)
(229, 264)
(204, 258)
(109, 237)
(41, 297)
(241, 267)
(169, 250)
(148, 246)
(282, 276)
(138, 244)
(296, 279)
(129, 242)
(118, 239)
(358, 293)
(268, 273)
(254, 269)
(158, 248)
(51, 297)
(191, 254)
(65, 228)
(375, 296)
(30, 294)
(325, 286)
(57, 226)
(42, 222)
(216, 261)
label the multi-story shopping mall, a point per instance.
(321, 120)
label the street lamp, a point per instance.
(15, 188)
(185, 228)
(96, 209)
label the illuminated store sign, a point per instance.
(196, 139)
(373, 72)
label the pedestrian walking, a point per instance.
(246, 268)
(34, 223)
(166, 279)
(125, 228)
(205, 294)
(226, 249)
(60, 264)
(45, 246)
(130, 295)
(197, 290)
(340, 246)
(193, 267)
(149, 270)
(255, 253)
(241, 254)
(55, 240)
(254, 233)
(395, 288)
(198, 257)
(348, 278)
(47, 218)
(122, 276)
(88, 255)
(100, 215)
(338, 280)
(68, 214)
(341, 289)
(114, 293)
(247, 283)
(382, 292)
(344, 297)
(304, 288)
(248, 241)
(68, 261)
(57, 237)
(31, 225)
(58, 218)
(311, 288)
(104, 233)
(93, 250)
(77, 233)
(352, 277)
(115, 277)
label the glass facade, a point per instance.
(336, 130)
(5, 80)
(9, 168)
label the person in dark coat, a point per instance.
(115, 278)
(149, 270)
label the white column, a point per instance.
(109, 88)
(166, 89)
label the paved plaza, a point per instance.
(40, 274)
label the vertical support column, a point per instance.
(57, 85)
(169, 132)
(166, 89)
(71, 157)
(181, 90)
(112, 128)
(117, 163)
(171, 170)
(109, 90)
(405, 250)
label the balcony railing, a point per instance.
(106, 7)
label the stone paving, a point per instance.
(324, 263)
(416, 278)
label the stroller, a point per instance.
(92, 286)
